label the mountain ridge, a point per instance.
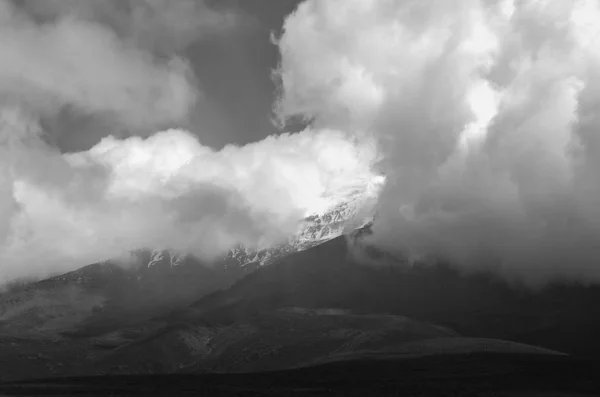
(314, 229)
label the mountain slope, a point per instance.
(104, 296)
(561, 317)
(249, 326)
(285, 338)
(107, 295)
(345, 217)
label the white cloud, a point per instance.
(515, 82)
(169, 191)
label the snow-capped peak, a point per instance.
(348, 210)
(159, 256)
(351, 210)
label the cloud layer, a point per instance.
(487, 115)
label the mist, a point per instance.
(486, 116)
(158, 188)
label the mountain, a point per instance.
(352, 213)
(324, 297)
(561, 317)
(108, 295)
(279, 339)
(104, 296)
(318, 306)
(325, 303)
(272, 340)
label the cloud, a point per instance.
(163, 26)
(169, 191)
(486, 113)
(82, 64)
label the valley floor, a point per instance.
(447, 375)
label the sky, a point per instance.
(470, 127)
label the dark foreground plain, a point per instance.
(444, 375)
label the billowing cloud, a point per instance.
(487, 115)
(168, 191)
